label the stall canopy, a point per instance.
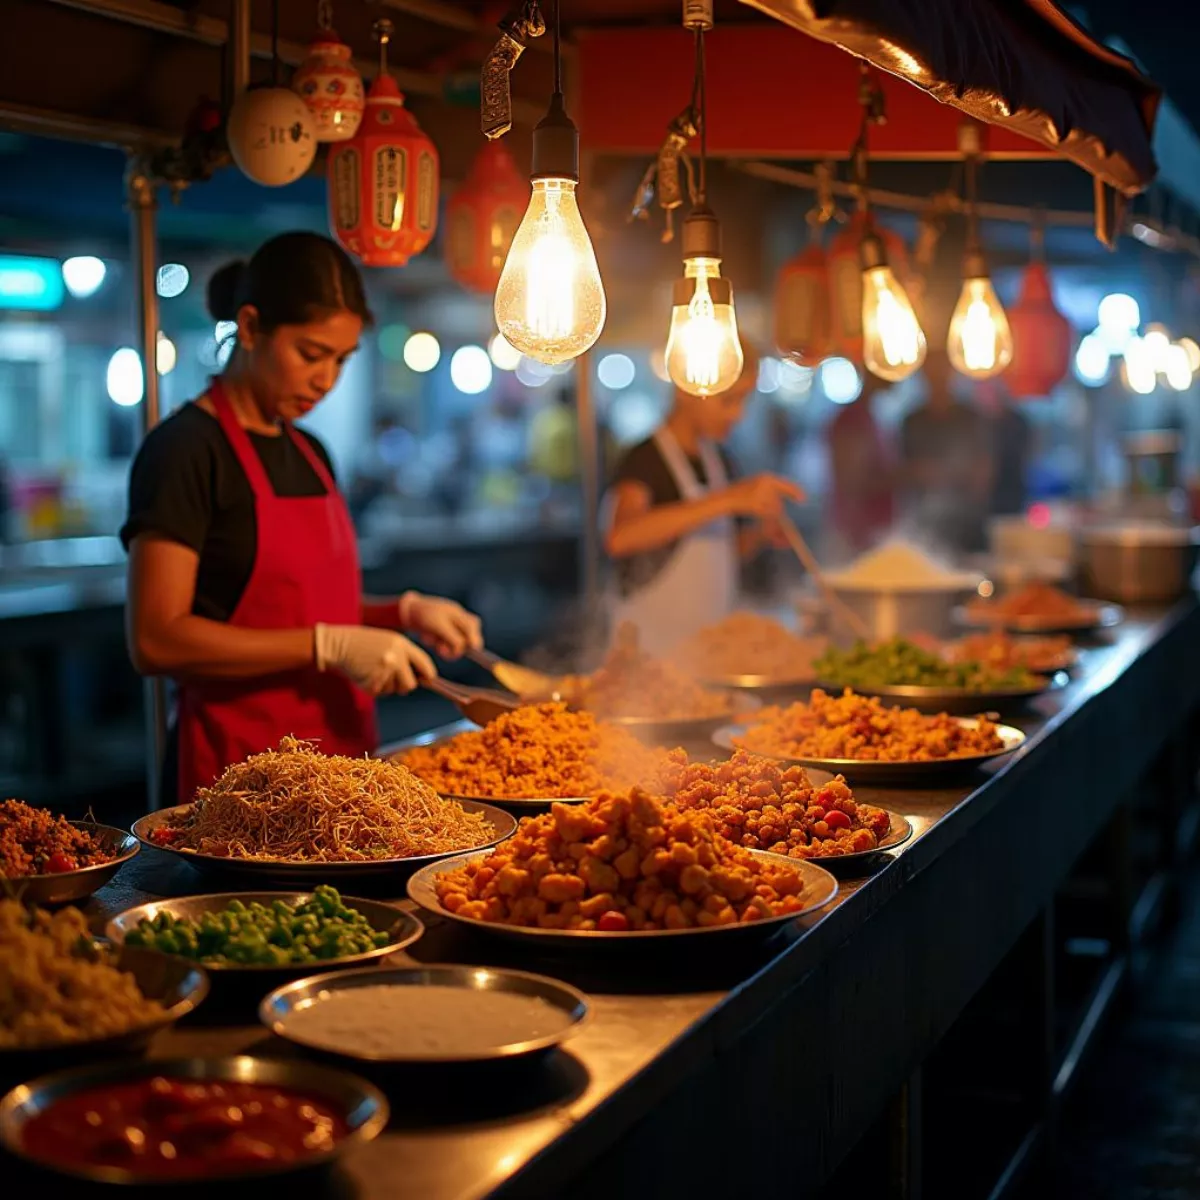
(1021, 64)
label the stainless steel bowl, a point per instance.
(361, 1106)
(179, 986)
(1140, 562)
(65, 886)
(402, 928)
(890, 612)
(277, 1009)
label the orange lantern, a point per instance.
(383, 182)
(845, 282)
(802, 307)
(482, 217)
(1042, 337)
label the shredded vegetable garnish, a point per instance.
(294, 804)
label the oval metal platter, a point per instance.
(1099, 615)
(904, 773)
(273, 873)
(956, 701)
(820, 887)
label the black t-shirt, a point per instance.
(187, 485)
(645, 464)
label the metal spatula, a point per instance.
(523, 681)
(481, 705)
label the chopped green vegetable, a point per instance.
(318, 930)
(900, 663)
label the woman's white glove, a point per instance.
(378, 660)
(445, 625)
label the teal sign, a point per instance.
(33, 284)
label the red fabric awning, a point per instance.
(1019, 64)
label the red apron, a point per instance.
(305, 570)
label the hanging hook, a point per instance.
(383, 31)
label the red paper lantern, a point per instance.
(802, 307)
(845, 283)
(383, 183)
(482, 218)
(1042, 338)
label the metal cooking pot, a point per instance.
(1139, 563)
(900, 612)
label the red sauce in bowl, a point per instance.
(182, 1128)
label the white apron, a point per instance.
(698, 584)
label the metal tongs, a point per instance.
(481, 705)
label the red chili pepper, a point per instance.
(836, 819)
(59, 862)
(613, 922)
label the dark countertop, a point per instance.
(661, 1021)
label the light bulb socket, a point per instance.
(974, 263)
(701, 233)
(556, 144)
(872, 252)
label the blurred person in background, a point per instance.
(680, 525)
(554, 439)
(862, 496)
(946, 466)
(1010, 438)
(381, 466)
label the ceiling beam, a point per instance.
(213, 31)
(435, 12)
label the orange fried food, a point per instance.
(850, 726)
(764, 805)
(1001, 652)
(620, 862)
(745, 643)
(34, 842)
(538, 751)
(632, 683)
(1037, 600)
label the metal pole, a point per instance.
(144, 261)
(238, 71)
(589, 485)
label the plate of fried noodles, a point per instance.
(294, 816)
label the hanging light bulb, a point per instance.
(980, 343)
(704, 352)
(893, 341)
(550, 302)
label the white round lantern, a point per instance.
(271, 135)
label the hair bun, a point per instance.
(222, 295)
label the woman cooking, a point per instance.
(244, 581)
(675, 509)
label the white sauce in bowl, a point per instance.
(394, 1021)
